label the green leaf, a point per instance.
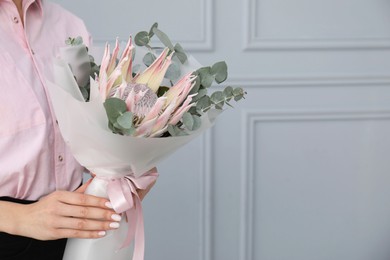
(136, 68)
(206, 78)
(164, 38)
(218, 99)
(151, 33)
(238, 94)
(196, 87)
(197, 122)
(219, 69)
(201, 93)
(188, 121)
(115, 107)
(203, 71)
(149, 58)
(228, 92)
(173, 72)
(193, 111)
(176, 131)
(125, 121)
(204, 103)
(181, 56)
(180, 53)
(142, 38)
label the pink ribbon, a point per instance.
(123, 195)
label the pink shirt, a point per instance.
(34, 160)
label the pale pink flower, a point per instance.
(152, 114)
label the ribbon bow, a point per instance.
(123, 195)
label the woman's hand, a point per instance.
(64, 214)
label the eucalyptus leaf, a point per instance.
(201, 93)
(171, 130)
(125, 121)
(129, 131)
(196, 87)
(194, 111)
(180, 53)
(173, 72)
(151, 33)
(219, 69)
(136, 68)
(207, 80)
(217, 97)
(181, 56)
(164, 38)
(176, 131)
(142, 38)
(238, 94)
(204, 103)
(206, 77)
(149, 58)
(188, 121)
(204, 71)
(228, 92)
(115, 107)
(197, 122)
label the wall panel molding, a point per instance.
(253, 42)
(207, 27)
(309, 81)
(206, 183)
(248, 150)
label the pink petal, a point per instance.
(159, 66)
(114, 56)
(145, 128)
(163, 119)
(181, 89)
(184, 108)
(156, 109)
(160, 132)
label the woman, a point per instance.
(40, 202)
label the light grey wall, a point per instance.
(301, 169)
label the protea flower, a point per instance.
(152, 114)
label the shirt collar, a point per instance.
(38, 3)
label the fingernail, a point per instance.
(114, 225)
(116, 217)
(108, 205)
(102, 233)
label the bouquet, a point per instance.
(121, 118)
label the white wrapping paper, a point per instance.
(84, 126)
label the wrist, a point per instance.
(11, 217)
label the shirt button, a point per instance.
(60, 158)
(32, 52)
(16, 20)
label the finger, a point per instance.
(74, 198)
(86, 212)
(82, 188)
(86, 224)
(74, 233)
